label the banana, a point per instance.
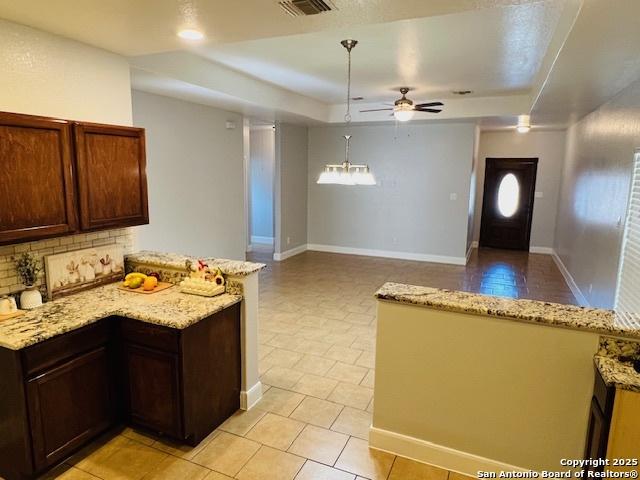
(132, 275)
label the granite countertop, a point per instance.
(617, 373)
(568, 316)
(614, 362)
(177, 261)
(168, 308)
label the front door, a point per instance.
(507, 206)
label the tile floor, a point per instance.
(317, 359)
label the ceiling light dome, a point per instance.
(524, 123)
(403, 112)
(191, 34)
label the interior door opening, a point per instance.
(261, 187)
(507, 203)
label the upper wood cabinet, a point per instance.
(112, 180)
(58, 178)
(37, 196)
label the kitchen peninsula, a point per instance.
(479, 383)
(171, 363)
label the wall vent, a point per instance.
(301, 8)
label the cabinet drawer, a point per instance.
(149, 335)
(52, 352)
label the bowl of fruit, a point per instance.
(143, 283)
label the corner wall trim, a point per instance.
(434, 454)
(252, 396)
(420, 257)
(257, 239)
(278, 257)
(573, 286)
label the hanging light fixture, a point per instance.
(347, 173)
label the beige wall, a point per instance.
(595, 192)
(195, 171)
(410, 212)
(291, 187)
(507, 392)
(548, 147)
(43, 74)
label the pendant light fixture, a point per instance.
(347, 173)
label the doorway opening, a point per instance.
(261, 186)
(507, 203)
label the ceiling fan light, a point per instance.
(524, 123)
(403, 114)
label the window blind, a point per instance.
(627, 303)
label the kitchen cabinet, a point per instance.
(152, 390)
(57, 395)
(60, 177)
(112, 181)
(182, 383)
(37, 191)
(69, 405)
(614, 427)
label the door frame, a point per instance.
(523, 161)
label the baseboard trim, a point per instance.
(258, 240)
(249, 398)
(542, 250)
(278, 257)
(420, 257)
(434, 454)
(573, 286)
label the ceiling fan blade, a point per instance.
(431, 104)
(430, 110)
(376, 110)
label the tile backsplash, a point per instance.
(9, 280)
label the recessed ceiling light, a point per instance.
(190, 34)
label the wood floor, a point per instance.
(317, 365)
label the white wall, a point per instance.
(418, 167)
(594, 194)
(262, 168)
(196, 178)
(291, 187)
(548, 147)
(43, 74)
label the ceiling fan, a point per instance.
(404, 109)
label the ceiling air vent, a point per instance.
(300, 8)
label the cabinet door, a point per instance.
(152, 389)
(36, 180)
(597, 434)
(112, 179)
(70, 404)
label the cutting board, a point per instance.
(161, 286)
(7, 316)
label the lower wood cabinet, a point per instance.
(69, 405)
(614, 427)
(58, 395)
(182, 383)
(152, 389)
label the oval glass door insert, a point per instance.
(508, 195)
